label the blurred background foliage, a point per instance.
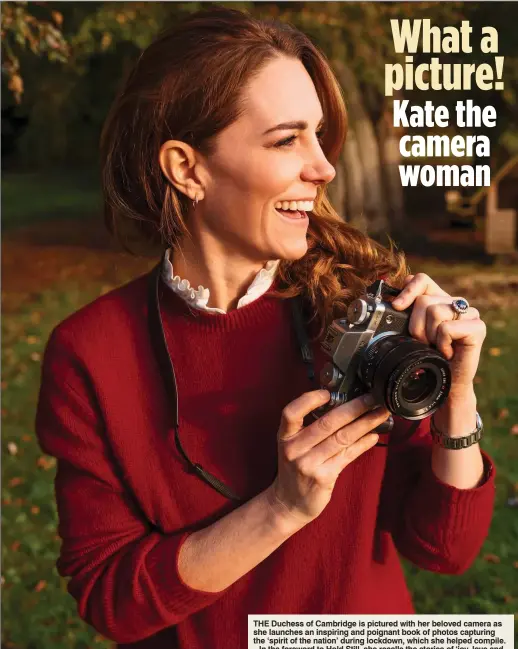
(62, 63)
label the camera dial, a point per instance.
(330, 376)
(358, 311)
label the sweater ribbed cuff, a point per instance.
(446, 494)
(180, 598)
(449, 522)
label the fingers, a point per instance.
(418, 319)
(326, 425)
(428, 312)
(420, 284)
(338, 462)
(436, 314)
(292, 417)
(347, 436)
(471, 332)
(323, 463)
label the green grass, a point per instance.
(28, 198)
(491, 584)
(37, 611)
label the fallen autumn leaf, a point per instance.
(46, 462)
(12, 448)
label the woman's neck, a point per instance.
(226, 277)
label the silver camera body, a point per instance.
(372, 351)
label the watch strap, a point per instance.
(456, 443)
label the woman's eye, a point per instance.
(289, 140)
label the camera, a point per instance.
(372, 351)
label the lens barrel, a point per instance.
(410, 378)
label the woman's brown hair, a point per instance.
(187, 86)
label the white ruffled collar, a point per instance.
(199, 298)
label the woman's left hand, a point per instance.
(432, 323)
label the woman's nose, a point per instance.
(320, 171)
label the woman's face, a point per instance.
(258, 163)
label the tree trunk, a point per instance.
(391, 158)
(368, 151)
(337, 190)
(354, 182)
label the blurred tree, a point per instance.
(356, 37)
(23, 27)
(65, 106)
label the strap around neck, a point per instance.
(161, 352)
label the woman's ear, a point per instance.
(178, 162)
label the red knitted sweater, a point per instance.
(126, 501)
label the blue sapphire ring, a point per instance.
(459, 306)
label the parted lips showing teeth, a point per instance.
(301, 206)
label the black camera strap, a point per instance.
(302, 338)
(163, 357)
(161, 351)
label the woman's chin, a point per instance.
(293, 252)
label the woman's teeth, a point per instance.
(296, 206)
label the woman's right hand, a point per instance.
(311, 458)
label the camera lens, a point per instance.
(418, 385)
(412, 379)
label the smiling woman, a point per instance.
(190, 493)
(238, 141)
(283, 164)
